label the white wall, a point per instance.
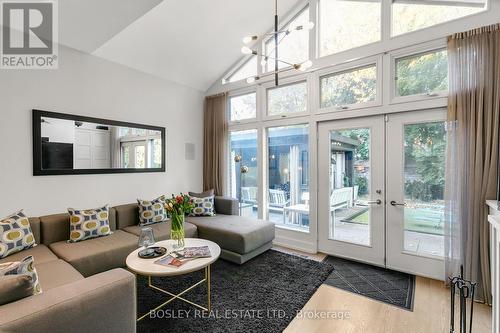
(90, 86)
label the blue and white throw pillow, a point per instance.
(203, 206)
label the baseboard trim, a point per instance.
(295, 244)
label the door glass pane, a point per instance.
(243, 170)
(242, 107)
(350, 215)
(422, 73)
(287, 99)
(346, 24)
(288, 182)
(126, 156)
(352, 87)
(140, 156)
(424, 167)
(156, 154)
(409, 16)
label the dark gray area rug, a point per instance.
(381, 284)
(262, 295)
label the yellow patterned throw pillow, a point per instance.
(23, 267)
(203, 206)
(152, 211)
(88, 223)
(15, 234)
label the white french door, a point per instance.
(416, 148)
(381, 184)
(351, 189)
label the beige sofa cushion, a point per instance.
(56, 273)
(55, 228)
(127, 215)
(162, 230)
(40, 253)
(104, 302)
(234, 233)
(97, 255)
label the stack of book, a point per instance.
(179, 258)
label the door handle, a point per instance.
(374, 202)
(394, 203)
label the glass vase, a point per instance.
(177, 231)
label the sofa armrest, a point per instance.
(104, 302)
(226, 206)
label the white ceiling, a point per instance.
(85, 25)
(192, 42)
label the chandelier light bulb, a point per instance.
(252, 79)
(249, 39)
(305, 65)
(307, 26)
(246, 50)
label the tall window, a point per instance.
(413, 15)
(348, 88)
(243, 170)
(345, 24)
(288, 182)
(422, 73)
(293, 48)
(242, 107)
(247, 70)
(287, 99)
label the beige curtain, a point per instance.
(214, 140)
(473, 120)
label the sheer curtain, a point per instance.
(473, 120)
(214, 143)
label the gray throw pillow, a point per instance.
(15, 287)
(204, 194)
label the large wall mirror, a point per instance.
(65, 144)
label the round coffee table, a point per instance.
(147, 267)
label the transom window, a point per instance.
(350, 87)
(242, 107)
(424, 73)
(413, 15)
(347, 24)
(248, 69)
(288, 99)
(293, 48)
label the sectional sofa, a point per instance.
(86, 289)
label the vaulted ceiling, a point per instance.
(191, 42)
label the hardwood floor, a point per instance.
(430, 312)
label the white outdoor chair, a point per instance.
(277, 200)
(340, 198)
(249, 194)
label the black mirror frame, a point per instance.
(37, 145)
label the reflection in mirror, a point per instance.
(71, 145)
(68, 144)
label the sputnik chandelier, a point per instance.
(272, 55)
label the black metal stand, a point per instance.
(466, 289)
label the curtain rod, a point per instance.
(475, 32)
(217, 95)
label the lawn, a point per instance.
(422, 220)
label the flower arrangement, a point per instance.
(178, 206)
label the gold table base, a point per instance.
(178, 296)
